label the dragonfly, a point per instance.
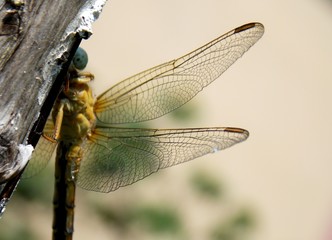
(97, 153)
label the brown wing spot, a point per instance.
(245, 27)
(237, 130)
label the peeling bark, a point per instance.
(37, 40)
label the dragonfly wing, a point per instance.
(161, 89)
(116, 157)
(42, 153)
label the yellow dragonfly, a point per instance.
(97, 154)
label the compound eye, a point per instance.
(80, 59)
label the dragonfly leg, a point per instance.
(57, 122)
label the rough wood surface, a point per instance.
(37, 38)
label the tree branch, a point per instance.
(37, 41)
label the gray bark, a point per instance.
(37, 40)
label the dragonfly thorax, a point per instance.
(75, 105)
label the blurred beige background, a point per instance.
(280, 91)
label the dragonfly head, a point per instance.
(80, 59)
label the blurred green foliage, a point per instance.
(166, 219)
(158, 219)
(154, 219)
(206, 185)
(39, 188)
(187, 112)
(236, 227)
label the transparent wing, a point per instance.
(159, 90)
(42, 153)
(116, 157)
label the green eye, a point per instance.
(80, 59)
